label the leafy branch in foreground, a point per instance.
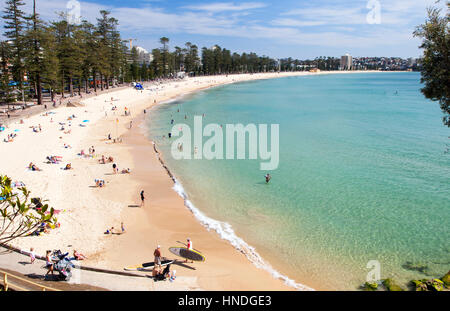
(436, 62)
(20, 216)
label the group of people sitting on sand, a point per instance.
(105, 160)
(100, 183)
(90, 155)
(10, 138)
(113, 231)
(160, 274)
(124, 171)
(37, 129)
(44, 228)
(18, 184)
(54, 159)
(51, 260)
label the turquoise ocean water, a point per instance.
(363, 175)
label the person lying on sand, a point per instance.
(33, 167)
(78, 256)
(126, 171)
(18, 184)
(54, 159)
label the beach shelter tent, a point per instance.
(139, 86)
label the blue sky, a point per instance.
(283, 28)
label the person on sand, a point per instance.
(114, 168)
(142, 198)
(126, 171)
(78, 256)
(102, 160)
(122, 227)
(33, 167)
(100, 183)
(157, 254)
(49, 262)
(156, 272)
(189, 247)
(32, 255)
(109, 231)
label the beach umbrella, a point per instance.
(2, 128)
(85, 121)
(16, 130)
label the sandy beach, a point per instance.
(85, 212)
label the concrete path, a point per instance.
(101, 281)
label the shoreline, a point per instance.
(164, 218)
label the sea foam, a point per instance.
(226, 232)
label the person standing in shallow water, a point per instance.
(268, 178)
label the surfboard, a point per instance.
(187, 253)
(148, 266)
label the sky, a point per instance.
(302, 29)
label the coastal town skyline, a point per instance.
(364, 28)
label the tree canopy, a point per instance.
(436, 62)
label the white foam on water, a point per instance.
(227, 233)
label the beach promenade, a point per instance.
(86, 211)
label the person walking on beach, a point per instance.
(142, 198)
(157, 255)
(32, 255)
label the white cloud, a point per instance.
(226, 6)
(333, 26)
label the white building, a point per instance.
(347, 62)
(144, 57)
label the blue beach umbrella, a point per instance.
(2, 128)
(85, 121)
(16, 130)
